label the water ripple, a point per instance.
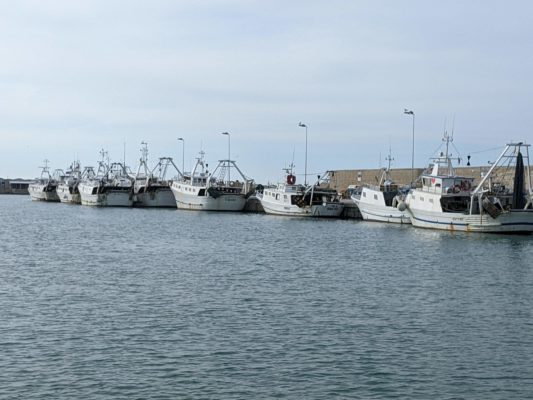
(164, 304)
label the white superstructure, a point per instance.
(447, 201)
(44, 188)
(201, 190)
(291, 199)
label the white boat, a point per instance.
(110, 186)
(450, 202)
(380, 203)
(151, 188)
(67, 188)
(44, 188)
(201, 190)
(291, 199)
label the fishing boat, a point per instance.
(44, 188)
(67, 188)
(151, 188)
(110, 186)
(292, 199)
(380, 203)
(216, 191)
(451, 202)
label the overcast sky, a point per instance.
(76, 76)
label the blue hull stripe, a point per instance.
(465, 224)
(440, 223)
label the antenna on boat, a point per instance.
(453, 124)
(448, 139)
(389, 158)
(144, 151)
(293, 151)
(144, 158)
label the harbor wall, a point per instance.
(341, 179)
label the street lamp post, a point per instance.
(411, 112)
(229, 155)
(182, 156)
(301, 125)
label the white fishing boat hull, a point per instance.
(38, 193)
(287, 210)
(194, 201)
(162, 197)
(287, 200)
(515, 221)
(381, 213)
(63, 192)
(110, 198)
(326, 210)
(429, 214)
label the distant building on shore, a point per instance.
(14, 186)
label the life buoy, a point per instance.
(291, 179)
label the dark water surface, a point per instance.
(133, 304)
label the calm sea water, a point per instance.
(133, 304)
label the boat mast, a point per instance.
(144, 159)
(45, 169)
(229, 156)
(386, 174)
